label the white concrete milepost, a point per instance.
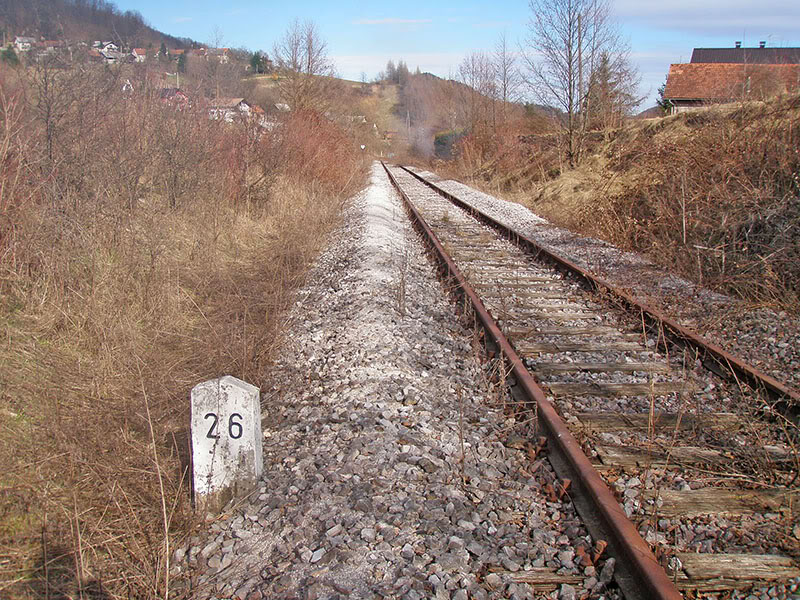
(226, 441)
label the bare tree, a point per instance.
(301, 56)
(506, 73)
(477, 72)
(566, 40)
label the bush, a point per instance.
(143, 249)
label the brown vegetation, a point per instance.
(712, 194)
(143, 249)
(81, 20)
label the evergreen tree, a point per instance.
(664, 103)
(9, 56)
(182, 63)
(391, 72)
(256, 63)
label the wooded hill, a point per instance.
(81, 20)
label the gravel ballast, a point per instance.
(768, 339)
(390, 468)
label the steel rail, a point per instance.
(656, 320)
(637, 572)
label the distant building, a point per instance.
(112, 56)
(24, 44)
(139, 55)
(718, 75)
(175, 97)
(221, 54)
(228, 109)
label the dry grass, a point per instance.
(711, 194)
(153, 250)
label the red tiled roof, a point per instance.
(727, 81)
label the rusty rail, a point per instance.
(655, 319)
(637, 572)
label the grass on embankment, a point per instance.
(714, 195)
(142, 250)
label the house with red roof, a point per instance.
(719, 75)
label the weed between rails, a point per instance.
(140, 254)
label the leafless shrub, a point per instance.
(720, 204)
(144, 249)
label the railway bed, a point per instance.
(680, 449)
(404, 459)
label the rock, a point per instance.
(428, 465)
(566, 592)
(565, 558)
(317, 555)
(607, 572)
(334, 531)
(511, 565)
(450, 562)
(209, 549)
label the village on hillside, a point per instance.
(33, 50)
(166, 67)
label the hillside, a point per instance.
(81, 20)
(712, 194)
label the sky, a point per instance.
(436, 35)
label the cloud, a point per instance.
(182, 19)
(392, 21)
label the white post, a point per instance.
(226, 441)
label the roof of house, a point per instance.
(177, 51)
(140, 51)
(222, 103)
(726, 81)
(172, 92)
(752, 56)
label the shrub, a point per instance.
(144, 249)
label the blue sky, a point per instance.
(436, 36)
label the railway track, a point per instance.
(655, 446)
